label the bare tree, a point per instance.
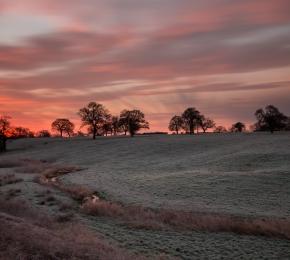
(133, 120)
(63, 125)
(270, 119)
(238, 127)
(93, 115)
(175, 124)
(5, 128)
(190, 117)
(205, 123)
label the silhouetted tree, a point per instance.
(5, 128)
(205, 123)
(190, 118)
(107, 127)
(123, 125)
(115, 125)
(21, 132)
(270, 119)
(80, 134)
(43, 134)
(133, 120)
(63, 125)
(175, 124)
(238, 127)
(93, 115)
(220, 129)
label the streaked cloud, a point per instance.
(160, 56)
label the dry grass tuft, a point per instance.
(26, 234)
(145, 218)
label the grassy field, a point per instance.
(234, 187)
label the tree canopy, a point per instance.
(176, 124)
(190, 118)
(238, 127)
(270, 119)
(133, 120)
(63, 125)
(205, 123)
(94, 116)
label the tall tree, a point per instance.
(190, 117)
(5, 128)
(175, 124)
(133, 120)
(63, 125)
(205, 123)
(270, 119)
(238, 127)
(94, 115)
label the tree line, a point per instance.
(99, 122)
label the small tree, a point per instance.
(43, 134)
(133, 120)
(270, 119)
(21, 132)
(190, 118)
(238, 127)
(175, 124)
(94, 115)
(63, 125)
(220, 129)
(205, 123)
(5, 128)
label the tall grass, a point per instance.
(146, 218)
(27, 234)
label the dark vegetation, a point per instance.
(100, 122)
(190, 121)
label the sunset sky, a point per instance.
(225, 57)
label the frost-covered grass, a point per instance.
(245, 175)
(233, 173)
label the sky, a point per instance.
(226, 58)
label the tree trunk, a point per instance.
(191, 131)
(94, 133)
(60, 133)
(2, 144)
